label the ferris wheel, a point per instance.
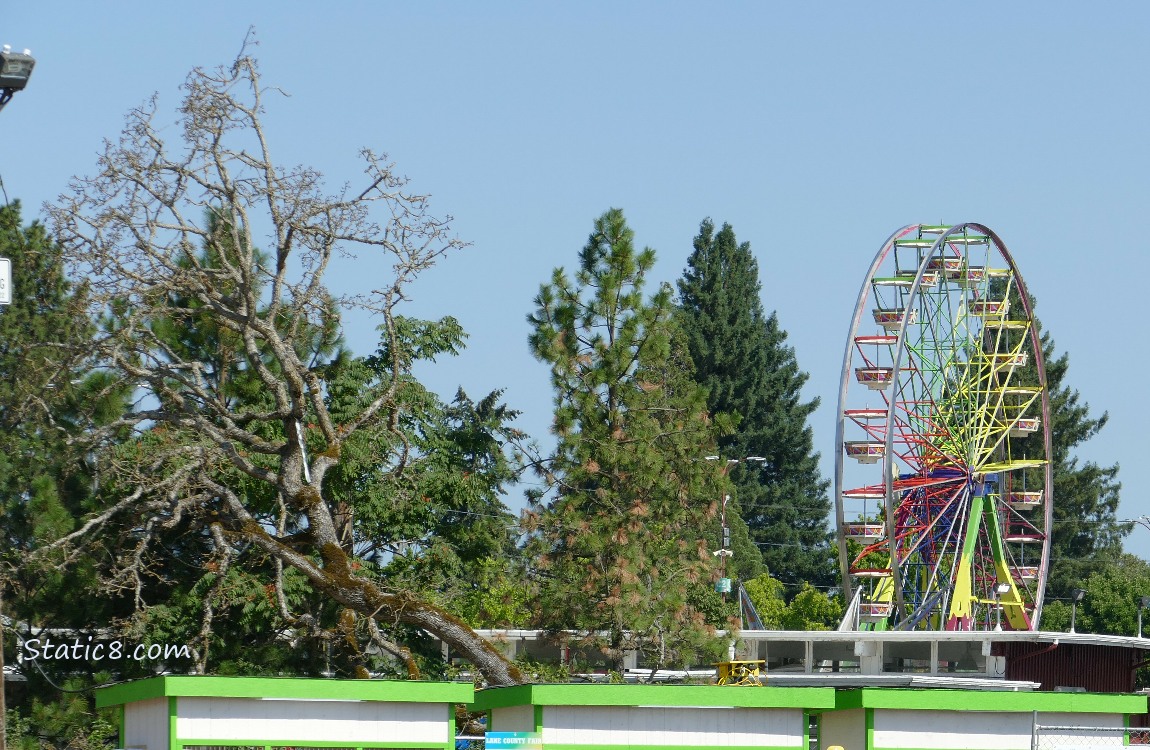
(943, 484)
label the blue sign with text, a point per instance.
(514, 741)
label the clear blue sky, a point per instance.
(815, 129)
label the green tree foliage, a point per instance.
(621, 546)
(1086, 527)
(261, 442)
(437, 527)
(67, 722)
(1110, 604)
(440, 528)
(50, 399)
(749, 371)
(768, 594)
(1087, 534)
(810, 609)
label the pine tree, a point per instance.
(50, 398)
(1087, 535)
(621, 544)
(742, 359)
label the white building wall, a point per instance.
(513, 719)
(983, 730)
(678, 725)
(951, 730)
(311, 720)
(846, 729)
(146, 725)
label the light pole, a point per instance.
(1144, 601)
(724, 550)
(15, 69)
(1075, 597)
(1143, 521)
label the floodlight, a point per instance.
(15, 68)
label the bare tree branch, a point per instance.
(167, 235)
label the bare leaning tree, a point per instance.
(251, 473)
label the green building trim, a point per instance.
(654, 695)
(285, 687)
(980, 700)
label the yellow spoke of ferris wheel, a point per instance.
(998, 467)
(996, 370)
(1025, 397)
(992, 374)
(976, 378)
(976, 411)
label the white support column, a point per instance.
(870, 656)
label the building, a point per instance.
(196, 713)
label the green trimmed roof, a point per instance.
(407, 691)
(978, 700)
(655, 695)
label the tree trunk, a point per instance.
(337, 580)
(366, 598)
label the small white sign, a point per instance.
(5, 281)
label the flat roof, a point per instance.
(904, 697)
(405, 691)
(847, 680)
(994, 636)
(732, 696)
(974, 700)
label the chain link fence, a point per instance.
(1048, 737)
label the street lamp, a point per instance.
(999, 590)
(1143, 521)
(1144, 601)
(1075, 597)
(15, 70)
(724, 550)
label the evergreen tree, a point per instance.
(621, 544)
(431, 520)
(45, 392)
(742, 359)
(50, 398)
(1087, 535)
(238, 462)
